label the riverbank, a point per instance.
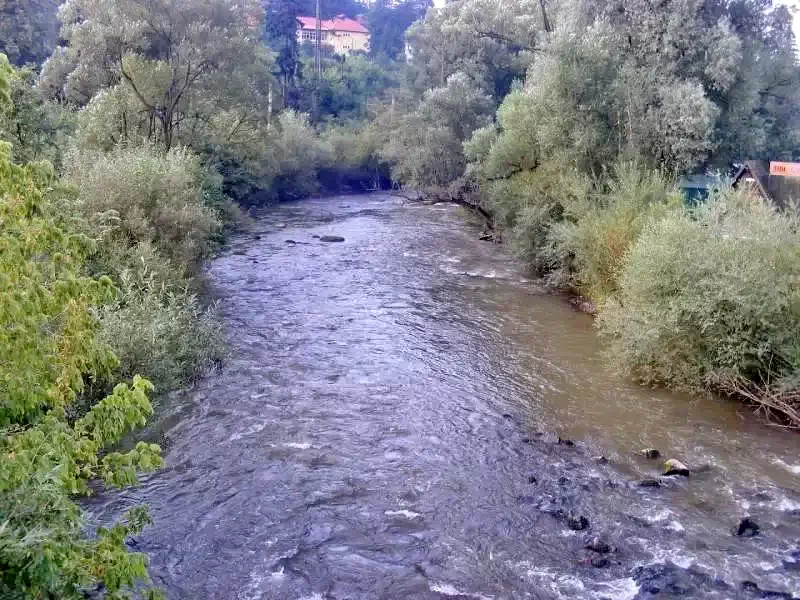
(699, 299)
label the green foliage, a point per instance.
(710, 296)
(140, 194)
(529, 204)
(5, 75)
(156, 215)
(598, 235)
(160, 329)
(491, 41)
(28, 29)
(296, 155)
(425, 146)
(172, 68)
(388, 24)
(349, 85)
(354, 160)
(37, 128)
(48, 348)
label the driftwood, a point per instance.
(433, 197)
(779, 408)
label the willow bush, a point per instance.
(156, 215)
(144, 194)
(593, 240)
(709, 297)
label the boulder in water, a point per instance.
(331, 238)
(747, 528)
(757, 592)
(598, 545)
(650, 453)
(675, 467)
(600, 562)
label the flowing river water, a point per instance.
(387, 427)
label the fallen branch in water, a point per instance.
(779, 408)
(419, 198)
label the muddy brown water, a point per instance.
(387, 426)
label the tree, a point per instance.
(37, 128)
(28, 30)
(425, 146)
(48, 349)
(388, 24)
(492, 41)
(168, 64)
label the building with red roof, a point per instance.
(344, 35)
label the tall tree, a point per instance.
(388, 24)
(170, 68)
(28, 30)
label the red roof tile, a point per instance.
(337, 24)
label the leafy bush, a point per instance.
(297, 153)
(595, 236)
(48, 349)
(157, 216)
(141, 194)
(710, 297)
(160, 330)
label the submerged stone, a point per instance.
(650, 453)
(650, 483)
(577, 522)
(331, 238)
(599, 546)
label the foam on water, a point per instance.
(449, 590)
(408, 514)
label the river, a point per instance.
(405, 415)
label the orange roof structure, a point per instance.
(339, 23)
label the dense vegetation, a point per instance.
(127, 148)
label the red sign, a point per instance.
(784, 169)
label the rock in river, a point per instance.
(599, 546)
(747, 527)
(651, 453)
(577, 522)
(331, 238)
(650, 483)
(675, 467)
